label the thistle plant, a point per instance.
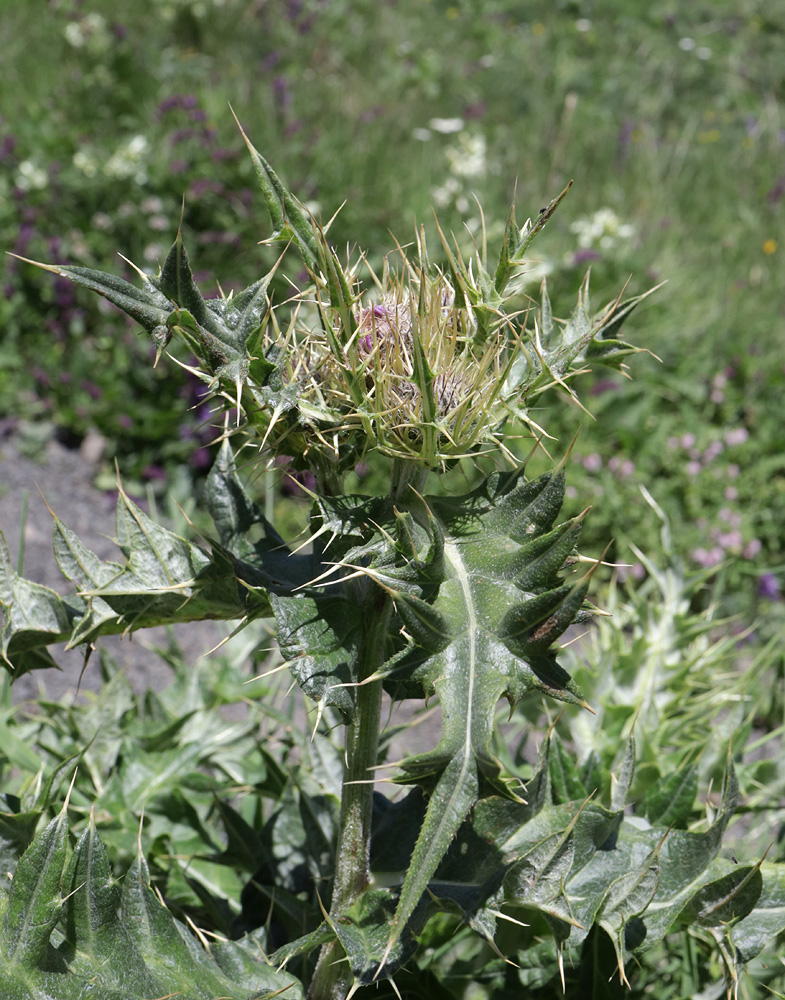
(412, 591)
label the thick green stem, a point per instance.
(407, 476)
(332, 978)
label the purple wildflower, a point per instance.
(154, 472)
(181, 135)
(201, 458)
(7, 147)
(281, 92)
(93, 391)
(714, 449)
(768, 587)
(730, 540)
(168, 104)
(603, 385)
(752, 548)
(737, 435)
(218, 155)
(708, 558)
(476, 110)
(587, 254)
(731, 517)
(294, 481)
(775, 193)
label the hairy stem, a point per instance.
(332, 978)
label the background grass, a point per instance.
(668, 117)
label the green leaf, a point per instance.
(363, 934)
(177, 283)
(724, 900)
(669, 801)
(148, 306)
(268, 563)
(517, 242)
(34, 900)
(92, 922)
(622, 780)
(116, 945)
(320, 637)
(34, 616)
(565, 780)
(17, 829)
(290, 218)
(767, 920)
(485, 634)
(163, 578)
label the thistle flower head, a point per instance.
(407, 370)
(425, 366)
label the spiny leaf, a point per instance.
(517, 242)
(268, 562)
(148, 306)
(34, 616)
(363, 935)
(92, 921)
(484, 635)
(177, 283)
(726, 899)
(622, 780)
(750, 934)
(289, 217)
(119, 946)
(163, 579)
(34, 900)
(565, 780)
(320, 638)
(669, 801)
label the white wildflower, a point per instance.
(468, 157)
(89, 32)
(85, 162)
(30, 176)
(127, 160)
(603, 229)
(446, 125)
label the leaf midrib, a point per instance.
(453, 557)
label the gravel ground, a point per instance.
(65, 478)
